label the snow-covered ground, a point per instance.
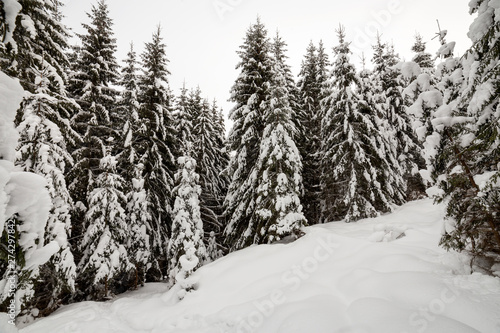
(378, 275)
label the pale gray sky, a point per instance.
(202, 36)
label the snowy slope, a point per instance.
(358, 277)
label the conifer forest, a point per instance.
(112, 182)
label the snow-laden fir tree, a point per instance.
(422, 58)
(310, 84)
(138, 216)
(183, 122)
(220, 167)
(249, 92)
(470, 184)
(429, 93)
(222, 160)
(39, 62)
(397, 123)
(92, 86)
(37, 40)
(156, 145)
(449, 82)
(220, 144)
(129, 110)
(138, 219)
(356, 176)
(195, 103)
(27, 49)
(279, 50)
(24, 205)
(186, 249)
(386, 148)
(279, 166)
(210, 162)
(42, 150)
(105, 260)
(323, 63)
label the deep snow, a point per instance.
(386, 274)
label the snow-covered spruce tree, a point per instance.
(183, 122)
(279, 49)
(397, 124)
(249, 92)
(42, 150)
(370, 105)
(279, 167)
(222, 156)
(92, 87)
(449, 82)
(138, 216)
(36, 41)
(139, 226)
(195, 104)
(186, 250)
(128, 108)
(323, 63)
(206, 152)
(310, 85)
(104, 254)
(24, 201)
(471, 182)
(38, 61)
(424, 100)
(355, 173)
(221, 180)
(422, 58)
(156, 146)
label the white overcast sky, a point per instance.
(202, 36)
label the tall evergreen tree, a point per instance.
(222, 157)
(208, 162)
(128, 109)
(449, 82)
(184, 121)
(356, 176)
(186, 250)
(92, 86)
(279, 167)
(424, 100)
(422, 58)
(156, 145)
(38, 41)
(104, 253)
(397, 123)
(279, 50)
(139, 227)
(38, 60)
(249, 92)
(310, 85)
(471, 180)
(138, 216)
(27, 210)
(42, 150)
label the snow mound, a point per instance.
(387, 233)
(333, 279)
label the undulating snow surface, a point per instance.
(379, 275)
